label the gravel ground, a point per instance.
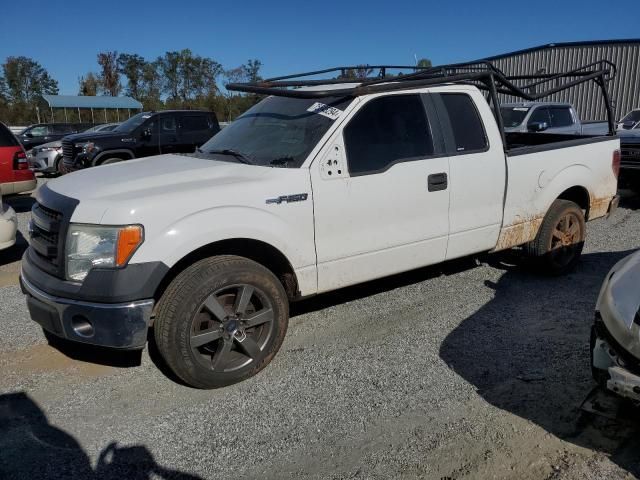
(472, 369)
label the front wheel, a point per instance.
(560, 240)
(221, 321)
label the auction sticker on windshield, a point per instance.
(325, 110)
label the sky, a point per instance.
(295, 36)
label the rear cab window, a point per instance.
(194, 123)
(385, 131)
(463, 128)
(560, 116)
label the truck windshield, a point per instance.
(278, 131)
(513, 116)
(132, 123)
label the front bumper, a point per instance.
(121, 325)
(612, 367)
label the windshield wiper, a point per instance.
(242, 158)
(281, 162)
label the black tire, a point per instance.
(207, 351)
(558, 245)
(58, 166)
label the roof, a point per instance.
(588, 43)
(78, 101)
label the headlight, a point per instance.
(90, 246)
(87, 147)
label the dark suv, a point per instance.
(143, 135)
(40, 133)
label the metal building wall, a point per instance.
(624, 89)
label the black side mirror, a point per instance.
(146, 134)
(628, 125)
(538, 126)
(29, 135)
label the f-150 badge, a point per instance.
(298, 197)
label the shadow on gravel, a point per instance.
(527, 352)
(93, 354)
(30, 448)
(20, 203)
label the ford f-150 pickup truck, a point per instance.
(315, 188)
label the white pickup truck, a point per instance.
(297, 197)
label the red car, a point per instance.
(15, 175)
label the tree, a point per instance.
(25, 80)
(252, 70)
(132, 67)
(88, 84)
(109, 75)
(151, 86)
(188, 76)
(424, 63)
(357, 73)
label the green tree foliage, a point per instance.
(109, 75)
(424, 63)
(88, 84)
(177, 79)
(22, 82)
(25, 80)
(132, 67)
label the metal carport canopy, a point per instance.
(97, 102)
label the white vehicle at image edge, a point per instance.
(8, 226)
(297, 197)
(615, 337)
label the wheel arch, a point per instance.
(123, 153)
(578, 195)
(260, 252)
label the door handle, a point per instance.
(437, 182)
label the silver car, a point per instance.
(46, 158)
(8, 225)
(615, 338)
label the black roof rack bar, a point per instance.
(483, 74)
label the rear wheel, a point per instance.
(221, 321)
(560, 240)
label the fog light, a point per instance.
(82, 326)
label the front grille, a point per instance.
(46, 242)
(630, 155)
(68, 150)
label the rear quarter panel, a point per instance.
(538, 178)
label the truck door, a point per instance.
(168, 133)
(380, 192)
(194, 130)
(478, 171)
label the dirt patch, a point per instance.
(45, 359)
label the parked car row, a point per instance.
(47, 158)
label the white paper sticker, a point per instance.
(521, 109)
(325, 110)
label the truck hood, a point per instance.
(165, 178)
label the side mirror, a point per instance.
(29, 135)
(628, 125)
(538, 126)
(146, 134)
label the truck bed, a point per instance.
(519, 143)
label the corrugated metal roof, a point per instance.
(78, 101)
(561, 57)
